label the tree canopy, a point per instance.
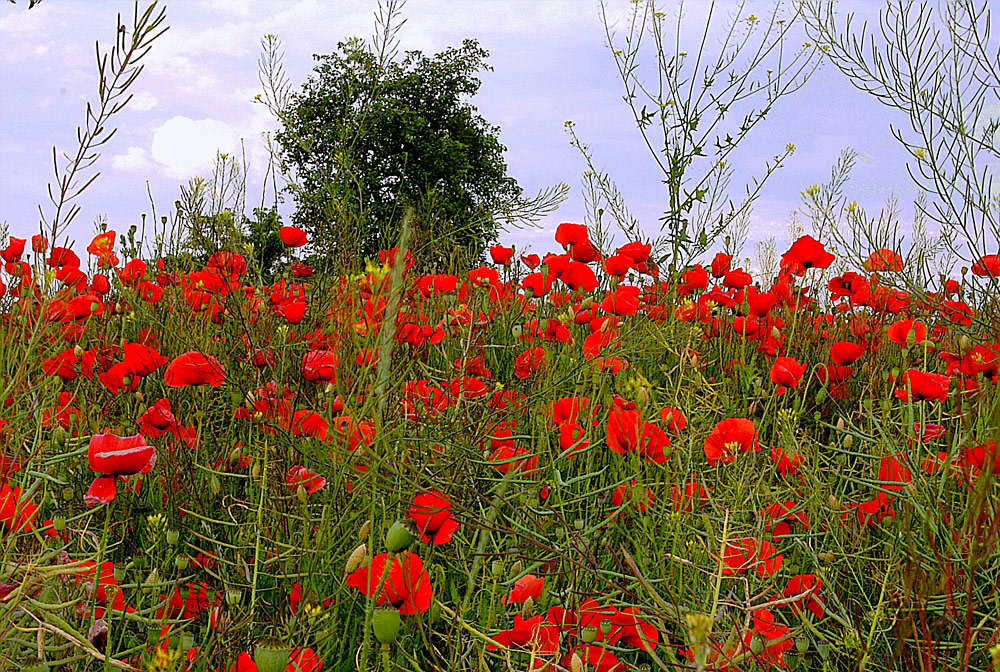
(368, 137)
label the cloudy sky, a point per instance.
(550, 64)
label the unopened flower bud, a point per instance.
(515, 569)
(527, 608)
(365, 530)
(576, 663)
(357, 557)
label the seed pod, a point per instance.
(386, 623)
(270, 655)
(400, 536)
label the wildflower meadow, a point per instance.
(582, 458)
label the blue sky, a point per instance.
(550, 64)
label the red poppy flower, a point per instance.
(742, 555)
(845, 353)
(293, 236)
(502, 255)
(306, 477)
(578, 276)
(730, 437)
(532, 261)
(765, 629)
(16, 511)
(568, 234)
(533, 634)
(194, 368)
(618, 265)
(787, 372)
(692, 495)
(595, 658)
(527, 586)
(987, 266)
(528, 363)
(883, 260)
(407, 586)
(629, 492)
(431, 511)
(805, 253)
(720, 264)
(900, 332)
(801, 584)
(320, 366)
(113, 455)
(925, 386)
(673, 419)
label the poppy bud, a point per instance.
(386, 623)
(848, 441)
(357, 557)
(151, 579)
(214, 484)
(528, 607)
(300, 493)
(400, 536)
(576, 663)
(270, 655)
(365, 529)
(139, 396)
(515, 569)
(964, 343)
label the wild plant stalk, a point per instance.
(117, 72)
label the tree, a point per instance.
(369, 136)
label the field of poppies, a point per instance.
(570, 461)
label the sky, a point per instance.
(550, 61)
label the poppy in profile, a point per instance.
(293, 236)
(407, 585)
(194, 368)
(924, 386)
(502, 255)
(431, 511)
(987, 266)
(845, 353)
(786, 372)
(114, 455)
(527, 586)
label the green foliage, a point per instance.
(369, 136)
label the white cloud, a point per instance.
(135, 159)
(142, 102)
(186, 147)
